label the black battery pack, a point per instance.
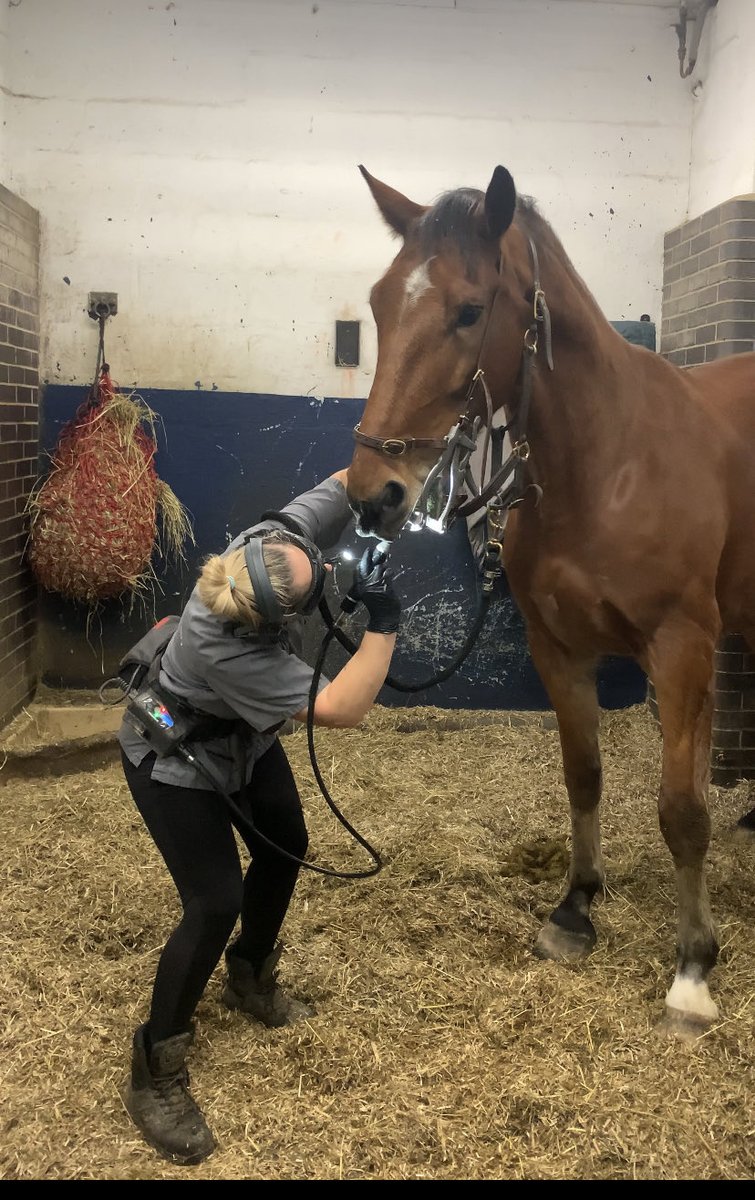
(159, 720)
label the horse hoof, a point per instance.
(743, 837)
(564, 945)
(744, 830)
(683, 1026)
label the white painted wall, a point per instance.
(199, 157)
(723, 128)
(4, 58)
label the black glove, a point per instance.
(373, 587)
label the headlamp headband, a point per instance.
(271, 609)
(264, 593)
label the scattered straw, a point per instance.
(442, 1048)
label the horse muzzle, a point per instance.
(383, 514)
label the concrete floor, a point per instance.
(50, 725)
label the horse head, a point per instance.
(457, 285)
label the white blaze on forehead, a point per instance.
(418, 282)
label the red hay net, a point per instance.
(94, 520)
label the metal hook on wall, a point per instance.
(692, 14)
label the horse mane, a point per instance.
(546, 239)
(543, 233)
(455, 215)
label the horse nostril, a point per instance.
(393, 495)
(371, 513)
(367, 515)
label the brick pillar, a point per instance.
(733, 753)
(733, 743)
(19, 446)
(709, 285)
(709, 313)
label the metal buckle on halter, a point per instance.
(491, 565)
(521, 449)
(393, 447)
(530, 339)
(495, 517)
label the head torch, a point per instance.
(314, 593)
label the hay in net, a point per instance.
(102, 512)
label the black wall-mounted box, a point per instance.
(347, 343)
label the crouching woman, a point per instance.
(236, 658)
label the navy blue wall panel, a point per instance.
(228, 457)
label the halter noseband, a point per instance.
(457, 447)
(395, 447)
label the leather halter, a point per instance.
(459, 444)
(395, 447)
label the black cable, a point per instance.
(183, 749)
(101, 364)
(442, 675)
(317, 672)
(333, 631)
(249, 825)
(350, 647)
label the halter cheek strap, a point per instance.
(267, 601)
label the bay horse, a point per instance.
(628, 527)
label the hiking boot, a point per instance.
(159, 1102)
(258, 992)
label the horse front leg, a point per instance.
(569, 933)
(681, 667)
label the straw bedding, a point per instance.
(442, 1049)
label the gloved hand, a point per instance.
(373, 587)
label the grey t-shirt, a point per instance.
(227, 672)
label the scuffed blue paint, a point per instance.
(228, 456)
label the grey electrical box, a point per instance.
(347, 343)
(102, 304)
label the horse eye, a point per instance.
(468, 315)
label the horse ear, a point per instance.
(397, 211)
(500, 203)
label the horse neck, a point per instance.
(577, 408)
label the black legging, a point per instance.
(192, 829)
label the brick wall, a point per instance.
(19, 445)
(708, 313)
(733, 746)
(733, 756)
(709, 285)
